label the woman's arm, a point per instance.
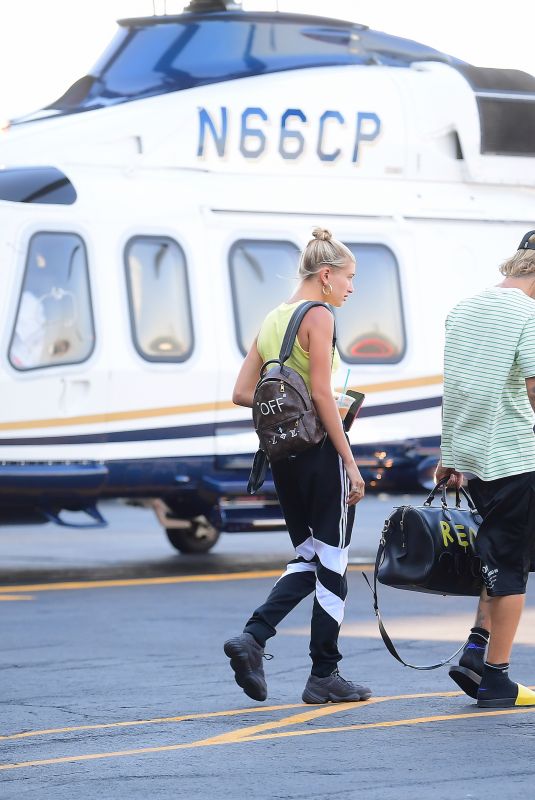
(320, 325)
(247, 378)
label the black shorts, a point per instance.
(506, 538)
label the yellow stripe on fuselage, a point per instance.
(194, 408)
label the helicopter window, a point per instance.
(36, 185)
(370, 328)
(370, 325)
(262, 275)
(54, 323)
(158, 294)
(506, 104)
(507, 126)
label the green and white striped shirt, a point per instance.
(487, 420)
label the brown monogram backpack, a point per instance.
(284, 416)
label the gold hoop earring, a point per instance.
(324, 287)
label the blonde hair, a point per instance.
(521, 264)
(323, 250)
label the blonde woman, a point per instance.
(317, 489)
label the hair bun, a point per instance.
(323, 234)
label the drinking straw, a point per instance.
(345, 384)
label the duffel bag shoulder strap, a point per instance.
(293, 327)
(390, 646)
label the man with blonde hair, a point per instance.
(487, 437)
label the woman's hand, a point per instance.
(356, 484)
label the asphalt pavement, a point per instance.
(115, 685)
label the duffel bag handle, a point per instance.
(442, 486)
(471, 505)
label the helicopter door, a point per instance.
(50, 387)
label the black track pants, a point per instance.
(312, 490)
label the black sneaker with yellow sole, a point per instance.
(518, 696)
(497, 690)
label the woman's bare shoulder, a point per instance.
(320, 319)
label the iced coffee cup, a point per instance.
(344, 403)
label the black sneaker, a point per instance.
(467, 674)
(246, 660)
(497, 690)
(333, 688)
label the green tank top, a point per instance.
(270, 340)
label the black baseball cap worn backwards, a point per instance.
(525, 244)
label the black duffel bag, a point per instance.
(429, 549)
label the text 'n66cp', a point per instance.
(296, 133)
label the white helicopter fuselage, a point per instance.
(389, 159)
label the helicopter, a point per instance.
(155, 212)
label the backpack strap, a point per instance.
(293, 327)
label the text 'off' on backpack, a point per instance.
(284, 416)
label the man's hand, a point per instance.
(455, 479)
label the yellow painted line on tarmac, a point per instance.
(260, 732)
(223, 576)
(75, 585)
(243, 734)
(395, 723)
(211, 714)
(155, 721)
(8, 597)
(225, 738)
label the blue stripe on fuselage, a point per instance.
(198, 431)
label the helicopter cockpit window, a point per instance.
(156, 55)
(54, 322)
(262, 275)
(158, 293)
(370, 325)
